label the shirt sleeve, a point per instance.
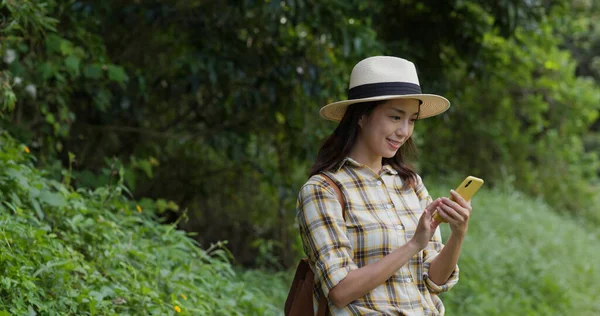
(433, 248)
(323, 232)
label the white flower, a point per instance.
(299, 70)
(125, 103)
(323, 38)
(10, 56)
(17, 81)
(32, 90)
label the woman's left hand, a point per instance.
(456, 213)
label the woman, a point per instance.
(381, 252)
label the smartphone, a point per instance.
(466, 189)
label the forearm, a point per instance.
(361, 281)
(444, 263)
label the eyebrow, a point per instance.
(403, 112)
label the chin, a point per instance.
(388, 154)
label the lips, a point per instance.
(395, 144)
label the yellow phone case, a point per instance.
(466, 189)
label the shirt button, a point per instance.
(379, 183)
(399, 227)
(389, 206)
(407, 280)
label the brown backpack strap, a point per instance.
(339, 194)
(323, 310)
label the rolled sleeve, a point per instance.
(429, 253)
(433, 248)
(323, 232)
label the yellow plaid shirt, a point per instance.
(380, 217)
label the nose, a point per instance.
(402, 130)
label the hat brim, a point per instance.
(432, 105)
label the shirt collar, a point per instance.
(385, 168)
(388, 169)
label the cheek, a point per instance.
(389, 129)
(384, 130)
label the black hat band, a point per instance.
(383, 88)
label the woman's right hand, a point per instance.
(426, 226)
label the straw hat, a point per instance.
(384, 78)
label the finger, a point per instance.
(464, 212)
(444, 216)
(433, 205)
(452, 204)
(459, 199)
(451, 213)
(430, 210)
(428, 214)
(425, 218)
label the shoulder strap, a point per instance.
(322, 310)
(339, 194)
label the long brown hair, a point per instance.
(339, 144)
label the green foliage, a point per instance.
(94, 252)
(521, 258)
(212, 108)
(522, 121)
(50, 64)
(213, 105)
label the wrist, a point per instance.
(413, 246)
(458, 234)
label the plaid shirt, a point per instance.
(380, 217)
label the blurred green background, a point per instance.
(202, 116)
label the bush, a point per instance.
(95, 252)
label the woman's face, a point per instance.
(389, 126)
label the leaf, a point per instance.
(280, 118)
(102, 99)
(72, 64)
(93, 71)
(46, 70)
(52, 199)
(51, 264)
(66, 47)
(53, 42)
(117, 73)
(38, 209)
(551, 65)
(172, 206)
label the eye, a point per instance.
(396, 118)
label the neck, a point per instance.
(363, 155)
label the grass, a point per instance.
(522, 258)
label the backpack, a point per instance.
(299, 301)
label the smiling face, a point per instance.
(390, 124)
